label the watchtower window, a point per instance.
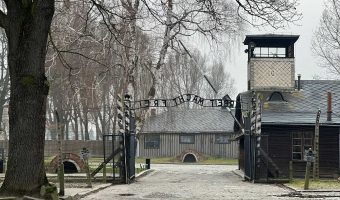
(269, 52)
(276, 96)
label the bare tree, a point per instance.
(326, 41)
(212, 18)
(83, 52)
(181, 19)
(275, 13)
(169, 22)
(221, 81)
(26, 24)
(183, 74)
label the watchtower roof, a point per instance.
(271, 40)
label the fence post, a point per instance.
(88, 174)
(310, 157)
(290, 171)
(104, 173)
(61, 159)
(306, 186)
(85, 154)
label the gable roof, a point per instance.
(206, 120)
(299, 107)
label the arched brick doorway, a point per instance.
(72, 164)
(70, 167)
(190, 154)
(189, 158)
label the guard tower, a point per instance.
(271, 63)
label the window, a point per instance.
(301, 141)
(221, 139)
(151, 141)
(187, 139)
(268, 52)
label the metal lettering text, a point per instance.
(181, 99)
(164, 102)
(146, 103)
(155, 103)
(219, 102)
(212, 102)
(195, 99)
(201, 101)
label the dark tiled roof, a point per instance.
(298, 119)
(300, 107)
(207, 120)
(271, 38)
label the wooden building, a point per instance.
(288, 110)
(189, 134)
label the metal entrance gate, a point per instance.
(120, 148)
(131, 154)
(122, 163)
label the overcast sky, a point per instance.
(305, 63)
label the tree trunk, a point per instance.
(75, 127)
(27, 33)
(67, 137)
(86, 125)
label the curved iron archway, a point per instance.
(223, 102)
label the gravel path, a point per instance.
(199, 182)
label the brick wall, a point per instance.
(69, 146)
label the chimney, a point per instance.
(299, 82)
(329, 106)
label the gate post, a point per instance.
(247, 151)
(61, 158)
(104, 152)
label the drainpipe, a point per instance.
(299, 82)
(329, 106)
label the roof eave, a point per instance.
(183, 132)
(300, 124)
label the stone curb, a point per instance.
(238, 173)
(318, 191)
(314, 191)
(144, 173)
(86, 193)
(306, 191)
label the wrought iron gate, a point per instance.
(123, 167)
(120, 148)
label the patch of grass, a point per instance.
(206, 160)
(48, 159)
(94, 162)
(109, 169)
(159, 160)
(219, 161)
(314, 185)
(139, 170)
(96, 159)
